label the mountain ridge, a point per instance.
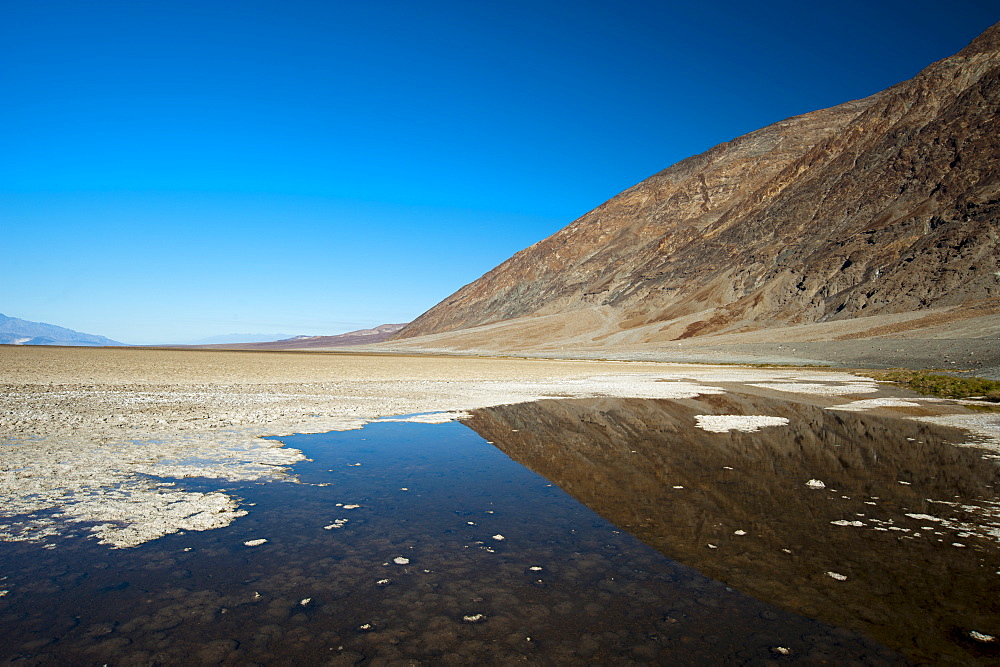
(878, 206)
(225, 339)
(360, 337)
(15, 331)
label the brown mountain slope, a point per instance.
(878, 206)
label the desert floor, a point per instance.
(92, 432)
(105, 449)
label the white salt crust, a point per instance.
(869, 387)
(96, 454)
(871, 403)
(745, 423)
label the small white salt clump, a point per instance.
(838, 577)
(498, 537)
(739, 532)
(924, 517)
(782, 650)
(3, 593)
(399, 560)
(678, 487)
(854, 387)
(870, 403)
(429, 418)
(474, 618)
(366, 627)
(815, 484)
(255, 543)
(712, 546)
(981, 636)
(745, 423)
(383, 582)
(305, 601)
(351, 507)
(535, 568)
(847, 523)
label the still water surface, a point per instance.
(419, 542)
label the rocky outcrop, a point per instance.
(883, 205)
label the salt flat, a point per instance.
(92, 436)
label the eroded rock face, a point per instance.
(883, 205)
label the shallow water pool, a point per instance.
(402, 542)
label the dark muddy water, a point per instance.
(416, 543)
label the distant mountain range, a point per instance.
(226, 339)
(359, 337)
(15, 331)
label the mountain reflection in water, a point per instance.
(904, 515)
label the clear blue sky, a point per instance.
(176, 170)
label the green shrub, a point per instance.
(946, 386)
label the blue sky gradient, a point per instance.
(177, 170)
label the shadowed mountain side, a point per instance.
(881, 206)
(645, 466)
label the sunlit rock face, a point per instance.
(883, 205)
(870, 523)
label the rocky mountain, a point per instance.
(15, 331)
(359, 337)
(883, 206)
